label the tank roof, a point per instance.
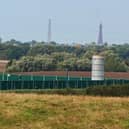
(97, 56)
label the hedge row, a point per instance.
(117, 90)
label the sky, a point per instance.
(72, 20)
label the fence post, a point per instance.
(67, 76)
(0, 85)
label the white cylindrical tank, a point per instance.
(97, 68)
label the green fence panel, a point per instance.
(12, 81)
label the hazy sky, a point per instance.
(72, 20)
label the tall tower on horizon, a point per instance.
(100, 36)
(49, 31)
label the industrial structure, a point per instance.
(98, 61)
(43, 81)
(49, 31)
(97, 68)
(100, 36)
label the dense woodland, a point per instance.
(41, 56)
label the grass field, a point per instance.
(31, 111)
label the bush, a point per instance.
(117, 90)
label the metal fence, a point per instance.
(10, 82)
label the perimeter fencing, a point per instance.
(13, 82)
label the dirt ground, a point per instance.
(122, 75)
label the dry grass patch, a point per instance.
(31, 111)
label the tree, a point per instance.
(113, 63)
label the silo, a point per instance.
(97, 68)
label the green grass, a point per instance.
(31, 111)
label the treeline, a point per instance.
(37, 56)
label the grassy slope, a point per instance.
(30, 111)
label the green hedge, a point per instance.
(117, 90)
